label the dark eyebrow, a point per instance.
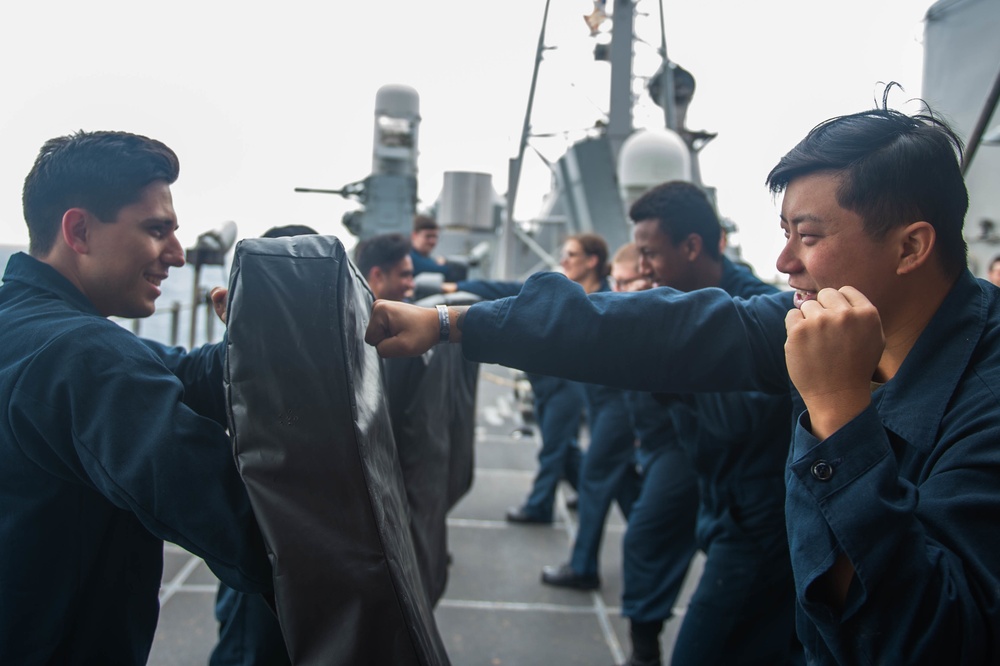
(799, 219)
(162, 221)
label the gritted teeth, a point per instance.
(801, 296)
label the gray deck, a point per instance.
(495, 611)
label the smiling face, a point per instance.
(665, 264)
(827, 245)
(127, 259)
(394, 284)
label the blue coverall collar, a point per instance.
(30, 271)
(942, 352)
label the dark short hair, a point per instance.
(101, 172)
(289, 230)
(680, 209)
(384, 251)
(594, 246)
(896, 169)
(993, 262)
(421, 222)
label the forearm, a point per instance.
(456, 314)
(490, 289)
(201, 372)
(659, 340)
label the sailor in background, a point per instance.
(421, 395)
(559, 403)
(423, 239)
(607, 473)
(726, 449)
(385, 262)
(625, 274)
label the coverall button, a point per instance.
(822, 470)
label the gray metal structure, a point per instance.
(389, 194)
(587, 196)
(961, 81)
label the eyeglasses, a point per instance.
(571, 255)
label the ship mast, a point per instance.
(504, 264)
(619, 128)
(620, 105)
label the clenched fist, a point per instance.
(833, 348)
(401, 329)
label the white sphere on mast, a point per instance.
(651, 157)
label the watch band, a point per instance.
(444, 321)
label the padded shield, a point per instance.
(313, 441)
(461, 462)
(432, 406)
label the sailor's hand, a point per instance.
(401, 329)
(832, 350)
(219, 295)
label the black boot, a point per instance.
(645, 644)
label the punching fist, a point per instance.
(401, 329)
(832, 351)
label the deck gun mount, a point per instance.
(389, 194)
(468, 209)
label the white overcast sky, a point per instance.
(258, 98)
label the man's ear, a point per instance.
(692, 246)
(75, 230)
(916, 243)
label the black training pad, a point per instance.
(432, 403)
(313, 442)
(462, 377)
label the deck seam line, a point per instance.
(597, 603)
(168, 590)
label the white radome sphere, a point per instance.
(650, 157)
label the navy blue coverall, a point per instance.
(424, 264)
(607, 471)
(729, 450)
(908, 491)
(660, 538)
(559, 407)
(249, 633)
(605, 474)
(108, 446)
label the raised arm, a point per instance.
(892, 496)
(658, 340)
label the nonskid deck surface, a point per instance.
(495, 611)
